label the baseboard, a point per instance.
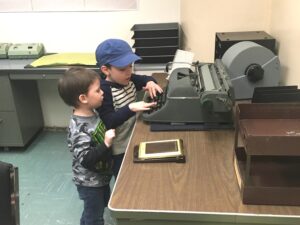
(55, 129)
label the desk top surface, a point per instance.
(18, 66)
(206, 183)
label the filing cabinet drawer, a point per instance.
(6, 96)
(10, 133)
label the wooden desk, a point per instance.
(204, 190)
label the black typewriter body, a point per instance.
(203, 95)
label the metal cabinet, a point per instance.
(224, 40)
(20, 111)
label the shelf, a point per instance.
(155, 26)
(154, 51)
(273, 180)
(156, 59)
(270, 171)
(271, 136)
(266, 155)
(156, 43)
(155, 34)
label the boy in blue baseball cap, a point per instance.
(115, 58)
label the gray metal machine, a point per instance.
(206, 94)
(251, 65)
(4, 49)
(26, 51)
(200, 96)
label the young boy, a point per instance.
(115, 59)
(88, 141)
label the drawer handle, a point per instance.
(1, 120)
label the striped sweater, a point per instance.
(115, 111)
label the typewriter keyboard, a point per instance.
(159, 99)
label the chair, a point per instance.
(9, 194)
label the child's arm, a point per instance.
(141, 106)
(109, 136)
(111, 118)
(94, 155)
(146, 83)
(140, 81)
(88, 155)
(153, 88)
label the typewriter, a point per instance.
(202, 94)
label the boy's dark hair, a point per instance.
(102, 75)
(74, 82)
(108, 65)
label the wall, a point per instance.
(201, 19)
(78, 32)
(82, 31)
(279, 18)
(285, 27)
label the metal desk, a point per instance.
(20, 109)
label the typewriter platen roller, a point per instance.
(200, 95)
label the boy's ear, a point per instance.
(104, 70)
(82, 98)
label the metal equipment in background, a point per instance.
(251, 65)
(26, 51)
(205, 93)
(4, 49)
(224, 40)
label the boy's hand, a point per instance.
(153, 88)
(109, 136)
(141, 106)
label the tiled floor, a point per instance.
(47, 194)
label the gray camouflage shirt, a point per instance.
(85, 150)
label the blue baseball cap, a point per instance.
(115, 52)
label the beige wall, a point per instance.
(201, 19)
(280, 18)
(78, 32)
(285, 27)
(82, 31)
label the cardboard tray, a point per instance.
(269, 129)
(273, 180)
(267, 154)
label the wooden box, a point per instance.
(267, 153)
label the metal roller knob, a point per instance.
(254, 72)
